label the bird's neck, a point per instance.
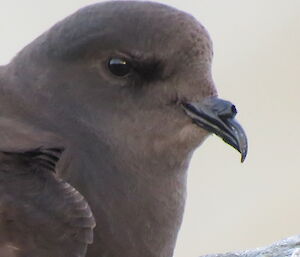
(138, 202)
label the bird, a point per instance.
(121, 92)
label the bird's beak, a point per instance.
(217, 116)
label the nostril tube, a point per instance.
(233, 109)
(226, 110)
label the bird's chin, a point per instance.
(192, 136)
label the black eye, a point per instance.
(119, 67)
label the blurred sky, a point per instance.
(230, 205)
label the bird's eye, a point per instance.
(119, 67)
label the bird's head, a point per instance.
(138, 72)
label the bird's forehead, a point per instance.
(136, 26)
(156, 27)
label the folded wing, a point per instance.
(40, 214)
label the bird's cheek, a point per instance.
(192, 135)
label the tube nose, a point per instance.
(224, 109)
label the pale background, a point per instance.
(257, 66)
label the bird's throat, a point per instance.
(138, 205)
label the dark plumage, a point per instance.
(125, 88)
(40, 215)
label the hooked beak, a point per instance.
(217, 116)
